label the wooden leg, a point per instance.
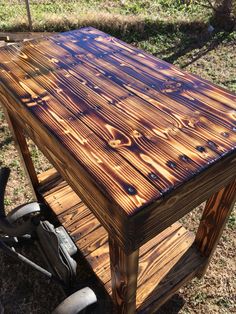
(124, 273)
(214, 218)
(23, 151)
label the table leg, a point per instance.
(23, 151)
(124, 273)
(214, 218)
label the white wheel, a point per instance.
(23, 211)
(76, 302)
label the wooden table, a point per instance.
(136, 144)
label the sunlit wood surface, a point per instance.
(139, 126)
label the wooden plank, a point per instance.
(61, 197)
(105, 121)
(91, 241)
(153, 254)
(180, 273)
(165, 262)
(154, 265)
(215, 215)
(146, 59)
(48, 180)
(129, 70)
(113, 122)
(104, 51)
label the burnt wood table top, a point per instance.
(141, 133)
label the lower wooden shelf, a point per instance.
(165, 263)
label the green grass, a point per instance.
(73, 12)
(143, 21)
(132, 20)
(169, 29)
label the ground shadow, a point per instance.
(204, 46)
(6, 141)
(22, 289)
(173, 306)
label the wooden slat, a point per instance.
(180, 273)
(148, 60)
(140, 69)
(88, 243)
(114, 120)
(48, 180)
(159, 259)
(129, 70)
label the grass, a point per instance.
(76, 13)
(169, 30)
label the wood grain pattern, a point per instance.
(140, 142)
(107, 212)
(157, 217)
(119, 110)
(214, 218)
(165, 262)
(124, 276)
